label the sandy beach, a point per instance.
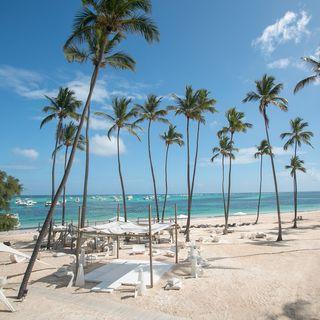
(246, 279)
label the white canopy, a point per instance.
(126, 228)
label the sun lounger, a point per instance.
(138, 249)
(3, 299)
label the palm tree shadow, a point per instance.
(298, 310)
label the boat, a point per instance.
(47, 204)
(129, 198)
(116, 199)
(77, 199)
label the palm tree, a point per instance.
(225, 150)
(315, 66)
(204, 105)
(120, 60)
(61, 107)
(67, 138)
(296, 137)
(151, 112)
(187, 106)
(295, 165)
(170, 137)
(120, 119)
(263, 149)
(267, 93)
(111, 17)
(235, 125)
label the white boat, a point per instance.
(116, 199)
(77, 199)
(129, 198)
(47, 204)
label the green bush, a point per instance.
(7, 222)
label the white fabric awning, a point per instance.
(126, 228)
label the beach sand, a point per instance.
(246, 279)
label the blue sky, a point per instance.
(220, 46)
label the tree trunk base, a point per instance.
(279, 238)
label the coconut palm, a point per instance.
(296, 137)
(169, 137)
(262, 149)
(235, 125)
(151, 112)
(267, 93)
(187, 106)
(225, 150)
(90, 51)
(315, 66)
(111, 17)
(121, 119)
(204, 105)
(68, 134)
(61, 107)
(295, 165)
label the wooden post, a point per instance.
(118, 218)
(176, 231)
(150, 248)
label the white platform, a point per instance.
(110, 276)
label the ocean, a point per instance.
(104, 207)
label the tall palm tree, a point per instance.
(90, 51)
(169, 137)
(296, 137)
(61, 107)
(187, 106)
(111, 17)
(295, 165)
(315, 66)
(204, 105)
(225, 150)
(121, 119)
(67, 138)
(262, 149)
(267, 93)
(151, 112)
(235, 125)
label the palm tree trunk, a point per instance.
(222, 187)
(86, 174)
(121, 179)
(152, 172)
(23, 286)
(195, 164)
(229, 190)
(187, 232)
(53, 178)
(295, 190)
(275, 182)
(166, 183)
(64, 190)
(260, 188)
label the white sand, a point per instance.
(246, 279)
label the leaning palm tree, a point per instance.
(296, 137)
(169, 137)
(235, 125)
(295, 165)
(225, 150)
(187, 106)
(111, 17)
(67, 138)
(121, 119)
(262, 149)
(61, 107)
(204, 105)
(267, 93)
(315, 66)
(151, 112)
(90, 51)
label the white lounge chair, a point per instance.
(138, 249)
(3, 299)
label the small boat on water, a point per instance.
(116, 199)
(129, 198)
(77, 199)
(47, 204)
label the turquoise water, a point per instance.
(103, 207)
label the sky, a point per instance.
(222, 46)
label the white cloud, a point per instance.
(314, 174)
(27, 153)
(279, 64)
(99, 123)
(102, 146)
(291, 27)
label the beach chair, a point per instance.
(138, 249)
(17, 259)
(3, 299)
